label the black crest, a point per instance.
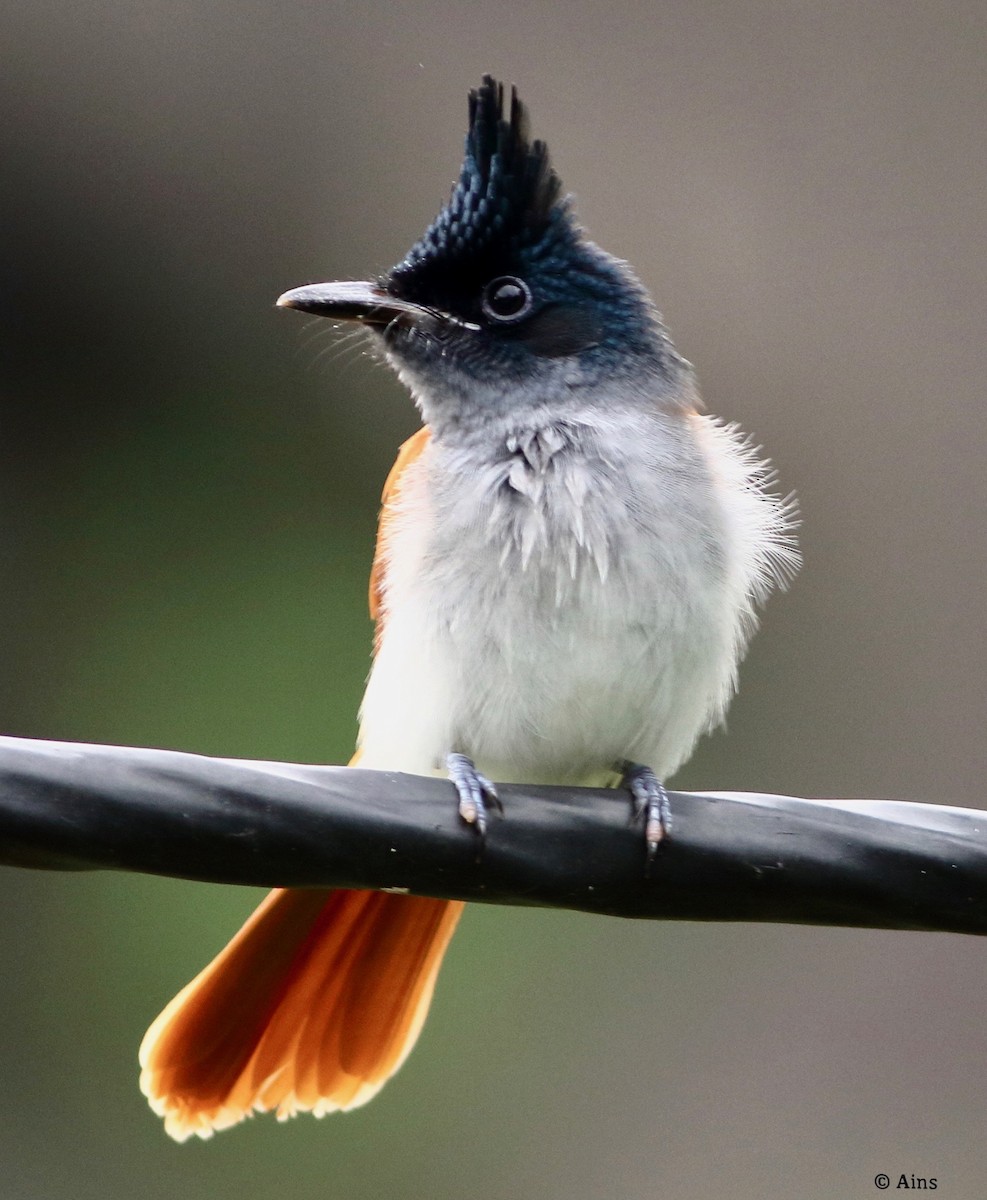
(508, 200)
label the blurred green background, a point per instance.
(188, 493)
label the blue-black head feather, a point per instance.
(509, 223)
(506, 206)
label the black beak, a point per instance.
(366, 302)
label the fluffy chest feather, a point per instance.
(566, 601)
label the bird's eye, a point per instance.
(506, 300)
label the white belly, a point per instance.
(558, 613)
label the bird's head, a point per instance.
(504, 302)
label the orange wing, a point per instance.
(410, 451)
(317, 1000)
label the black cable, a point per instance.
(731, 857)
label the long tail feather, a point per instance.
(313, 1006)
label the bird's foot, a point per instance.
(650, 802)
(474, 791)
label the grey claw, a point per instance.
(650, 802)
(473, 789)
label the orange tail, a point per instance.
(311, 1007)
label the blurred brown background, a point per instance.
(187, 500)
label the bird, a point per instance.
(570, 559)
